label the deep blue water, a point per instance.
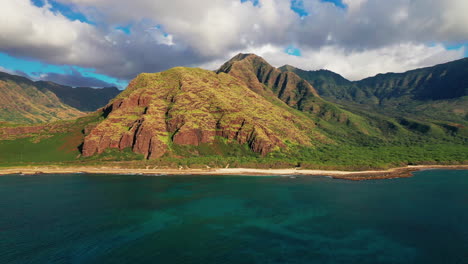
(233, 219)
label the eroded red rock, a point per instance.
(191, 107)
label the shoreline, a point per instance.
(400, 172)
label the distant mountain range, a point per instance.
(26, 101)
(438, 92)
(21, 101)
(82, 98)
(249, 111)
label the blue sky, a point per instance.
(34, 69)
(66, 10)
(87, 42)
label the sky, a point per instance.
(101, 43)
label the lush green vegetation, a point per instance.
(82, 98)
(22, 101)
(25, 150)
(57, 142)
(434, 93)
(62, 149)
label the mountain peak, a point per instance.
(286, 68)
(248, 58)
(265, 79)
(242, 56)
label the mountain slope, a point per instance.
(21, 101)
(265, 79)
(327, 83)
(444, 81)
(439, 92)
(82, 98)
(272, 83)
(160, 112)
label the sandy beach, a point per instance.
(350, 175)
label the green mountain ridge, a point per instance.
(21, 101)
(27, 101)
(85, 99)
(432, 93)
(288, 87)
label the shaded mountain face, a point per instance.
(327, 83)
(438, 92)
(26, 101)
(185, 106)
(22, 101)
(82, 98)
(444, 81)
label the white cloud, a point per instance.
(210, 27)
(354, 5)
(368, 37)
(379, 23)
(37, 32)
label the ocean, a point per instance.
(85, 218)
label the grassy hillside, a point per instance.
(433, 93)
(54, 142)
(21, 101)
(184, 106)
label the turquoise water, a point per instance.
(233, 219)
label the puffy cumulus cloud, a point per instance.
(37, 32)
(30, 31)
(377, 23)
(354, 5)
(210, 27)
(365, 38)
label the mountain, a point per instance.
(265, 79)
(246, 102)
(82, 98)
(22, 101)
(247, 113)
(296, 92)
(440, 82)
(26, 101)
(325, 82)
(159, 112)
(439, 92)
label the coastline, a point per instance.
(400, 172)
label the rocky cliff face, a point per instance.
(185, 106)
